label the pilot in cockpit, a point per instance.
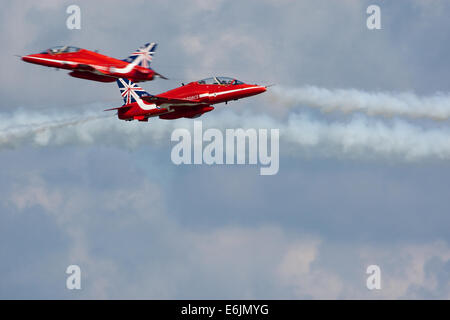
(61, 49)
(220, 81)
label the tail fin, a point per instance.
(130, 91)
(143, 56)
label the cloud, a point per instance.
(72, 191)
(406, 269)
(79, 214)
(298, 272)
(228, 261)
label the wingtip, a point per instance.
(161, 76)
(111, 109)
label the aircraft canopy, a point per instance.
(219, 80)
(61, 49)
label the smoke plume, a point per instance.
(436, 107)
(300, 134)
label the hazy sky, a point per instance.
(353, 189)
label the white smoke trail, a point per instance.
(361, 138)
(358, 138)
(40, 129)
(436, 107)
(22, 127)
(300, 135)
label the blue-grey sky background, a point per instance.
(141, 227)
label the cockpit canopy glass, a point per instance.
(61, 49)
(220, 80)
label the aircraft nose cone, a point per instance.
(260, 89)
(27, 58)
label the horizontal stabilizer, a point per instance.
(122, 108)
(160, 76)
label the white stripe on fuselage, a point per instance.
(127, 69)
(215, 94)
(151, 106)
(141, 102)
(54, 60)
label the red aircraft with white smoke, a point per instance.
(86, 64)
(188, 101)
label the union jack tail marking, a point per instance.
(130, 91)
(143, 56)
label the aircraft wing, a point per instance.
(93, 68)
(172, 101)
(85, 67)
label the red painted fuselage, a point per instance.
(188, 101)
(86, 64)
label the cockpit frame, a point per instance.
(61, 49)
(220, 81)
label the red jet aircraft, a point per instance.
(188, 101)
(91, 65)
